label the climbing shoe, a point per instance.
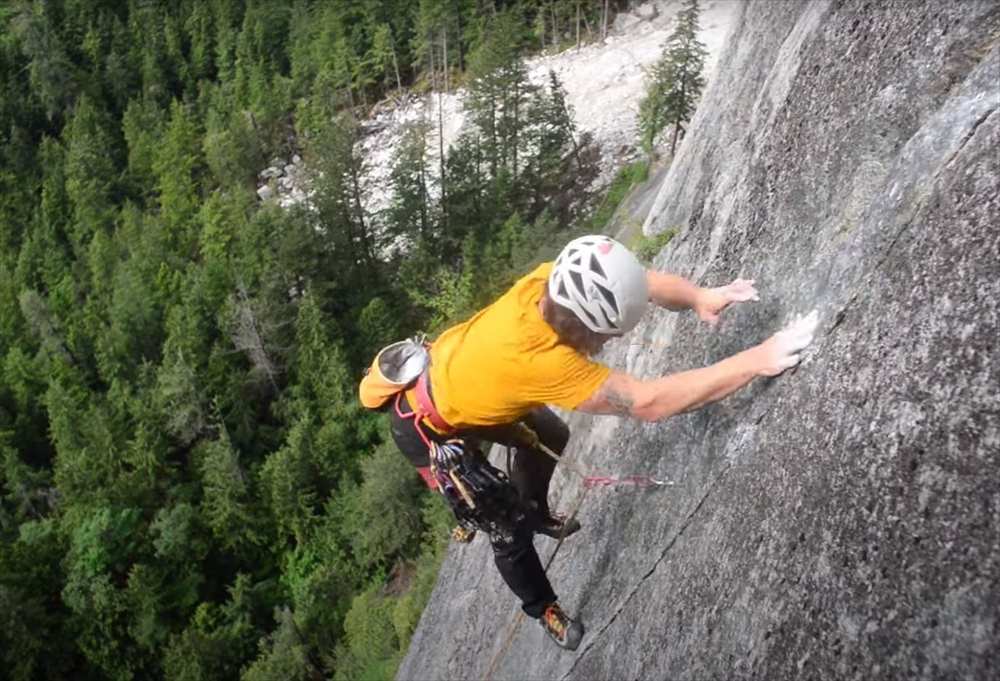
(566, 632)
(558, 526)
(462, 534)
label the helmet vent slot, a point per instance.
(607, 319)
(578, 281)
(608, 296)
(595, 266)
(590, 316)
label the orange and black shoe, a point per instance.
(566, 632)
(557, 526)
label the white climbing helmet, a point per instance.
(602, 282)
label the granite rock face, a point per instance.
(843, 520)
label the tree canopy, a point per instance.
(189, 488)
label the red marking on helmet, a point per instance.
(605, 248)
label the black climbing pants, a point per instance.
(531, 470)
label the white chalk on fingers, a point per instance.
(799, 333)
(787, 362)
(804, 324)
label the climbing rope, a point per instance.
(520, 616)
(589, 482)
(531, 439)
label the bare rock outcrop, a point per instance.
(843, 520)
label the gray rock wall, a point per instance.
(843, 520)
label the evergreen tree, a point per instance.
(337, 177)
(556, 131)
(411, 215)
(104, 546)
(676, 81)
(199, 28)
(219, 638)
(384, 56)
(188, 485)
(177, 165)
(283, 655)
(498, 91)
(430, 16)
(45, 255)
(53, 74)
(35, 639)
(91, 172)
(149, 51)
(233, 150)
(468, 200)
(370, 646)
(554, 150)
(227, 503)
(226, 17)
(142, 124)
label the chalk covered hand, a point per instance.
(710, 302)
(781, 351)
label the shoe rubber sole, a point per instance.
(574, 634)
(572, 527)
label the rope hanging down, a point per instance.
(531, 439)
(589, 482)
(574, 509)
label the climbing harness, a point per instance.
(425, 405)
(479, 494)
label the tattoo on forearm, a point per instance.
(620, 404)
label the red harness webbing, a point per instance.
(425, 409)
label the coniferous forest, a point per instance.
(190, 488)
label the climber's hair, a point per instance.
(569, 328)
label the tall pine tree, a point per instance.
(676, 81)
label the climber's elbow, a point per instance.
(623, 395)
(651, 407)
(649, 401)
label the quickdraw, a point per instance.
(592, 481)
(530, 439)
(479, 494)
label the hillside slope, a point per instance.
(603, 81)
(840, 521)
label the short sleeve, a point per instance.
(566, 378)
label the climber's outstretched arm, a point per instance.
(677, 293)
(677, 393)
(658, 399)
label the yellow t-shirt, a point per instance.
(505, 361)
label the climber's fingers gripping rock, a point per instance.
(781, 351)
(712, 301)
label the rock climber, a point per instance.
(533, 347)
